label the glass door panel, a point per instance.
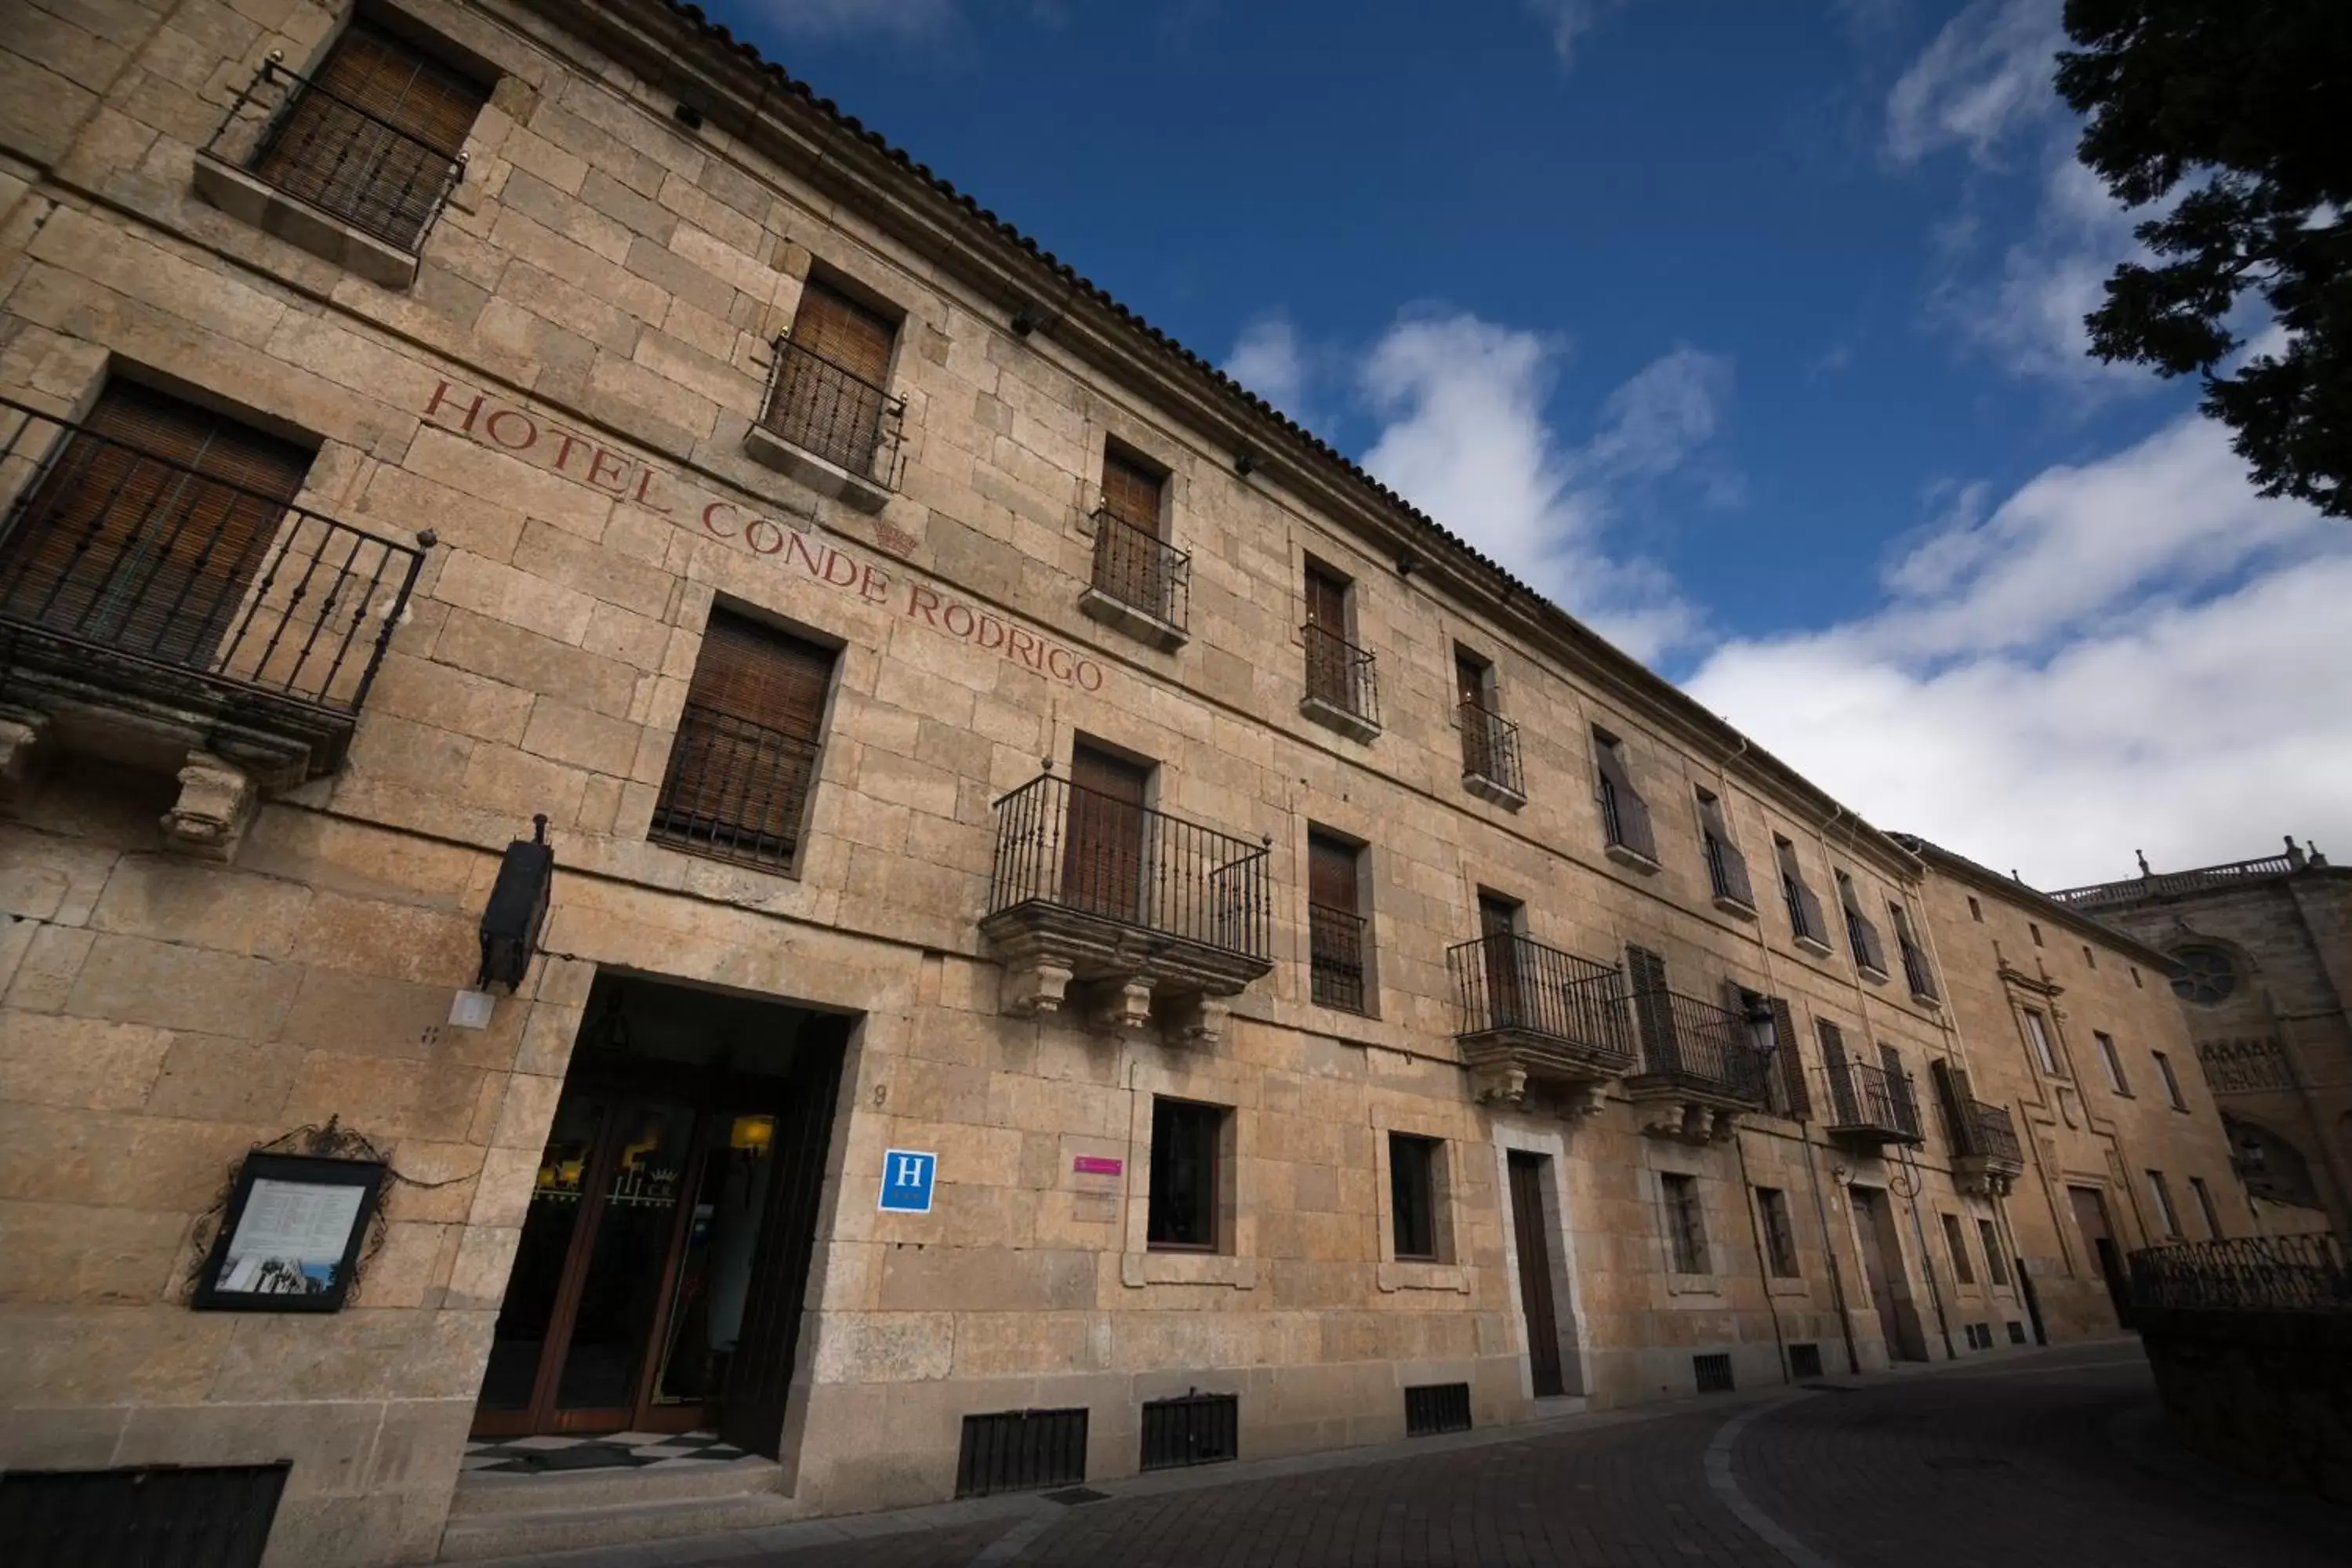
(714, 1272)
(622, 1287)
(526, 1317)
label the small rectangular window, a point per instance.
(2171, 1084)
(831, 379)
(1963, 1270)
(2136, 980)
(2205, 1209)
(1995, 1263)
(1338, 673)
(1685, 1223)
(1335, 922)
(2035, 931)
(1413, 1165)
(2115, 1063)
(1780, 1237)
(1727, 867)
(1624, 814)
(1133, 563)
(748, 743)
(1805, 922)
(2161, 1196)
(2045, 1055)
(1187, 1182)
(2090, 958)
(1976, 910)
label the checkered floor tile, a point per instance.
(618, 1450)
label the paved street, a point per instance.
(2053, 1458)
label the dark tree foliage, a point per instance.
(2243, 109)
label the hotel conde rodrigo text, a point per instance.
(690, 840)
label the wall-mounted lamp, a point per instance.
(518, 909)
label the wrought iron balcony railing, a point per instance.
(1334, 949)
(1694, 1046)
(1993, 1136)
(833, 413)
(1142, 571)
(1727, 872)
(124, 569)
(734, 789)
(1062, 846)
(1870, 1101)
(1490, 750)
(1869, 954)
(1341, 675)
(1804, 911)
(1915, 972)
(329, 153)
(1625, 820)
(2245, 1273)
(1507, 984)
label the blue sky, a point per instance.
(1750, 332)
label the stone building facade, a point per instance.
(2074, 1032)
(1067, 897)
(2264, 956)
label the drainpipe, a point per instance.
(1829, 1251)
(1756, 1234)
(1926, 1259)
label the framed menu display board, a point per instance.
(292, 1238)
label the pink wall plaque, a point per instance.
(1097, 1165)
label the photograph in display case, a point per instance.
(292, 1235)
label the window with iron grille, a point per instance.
(1335, 956)
(1804, 1360)
(1192, 1429)
(1415, 1167)
(1624, 815)
(1340, 675)
(1917, 971)
(1187, 1181)
(1727, 867)
(1779, 1236)
(2114, 1063)
(745, 758)
(1861, 932)
(1995, 1263)
(373, 137)
(1490, 743)
(1436, 1407)
(1685, 1223)
(2205, 1208)
(1133, 563)
(1713, 1373)
(829, 395)
(1963, 1267)
(1021, 1450)
(2171, 1084)
(1805, 922)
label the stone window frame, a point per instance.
(1777, 1284)
(1703, 1290)
(1529, 1136)
(1449, 1272)
(1344, 1022)
(1234, 1264)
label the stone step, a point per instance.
(484, 1493)
(516, 1534)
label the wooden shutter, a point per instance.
(1898, 1089)
(149, 526)
(1958, 1100)
(410, 91)
(1729, 864)
(1799, 1099)
(1631, 812)
(1102, 868)
(1807, 914)
(1833, 1064)
(1331, 873)
(1130, 492)
(1326, 601)
(1653, 1017)
(746, 752)
(1469, 679)
(839, 328)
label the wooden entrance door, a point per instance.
(2090, 1219)
(1880, 1256)
(1102, 862)
(1498, 919)
(1533, 1235)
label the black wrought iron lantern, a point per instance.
(518, 909)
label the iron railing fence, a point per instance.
(2273, 1273)
(1626, 824)
(1994, 1134)
(1490, 748)
(1864, 1097)
(1804, 909)
(324, 150)
(1062, 844)
(2161, 882)
(831, 411)
(1697, 1044)
(1861, 936)
(1334, 949)
(1727, 872)
(105, 546)
(1504, 980)
(1340, 673)
(734, 788)
(1915, 973)
(1142, 571)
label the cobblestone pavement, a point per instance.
(2048, 1459)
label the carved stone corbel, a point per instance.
(1204, 1020)
(1033, 988)
(1125, 1007)
(216, 805)
(21, 756)
(1504, 1084)
(1580, 1101)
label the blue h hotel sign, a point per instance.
(906, 1180)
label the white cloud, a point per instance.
(1986, 75)
(1464, 437)
(902, 18)
(1569, 20)
(1267, 359)
(2137, 653)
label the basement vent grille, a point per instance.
(1714, 1372)
(2016, 1332)
(1021, 1450)
(1804, 1360)
(1436, 1407)
(214, 1516)
(1193, 1429)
